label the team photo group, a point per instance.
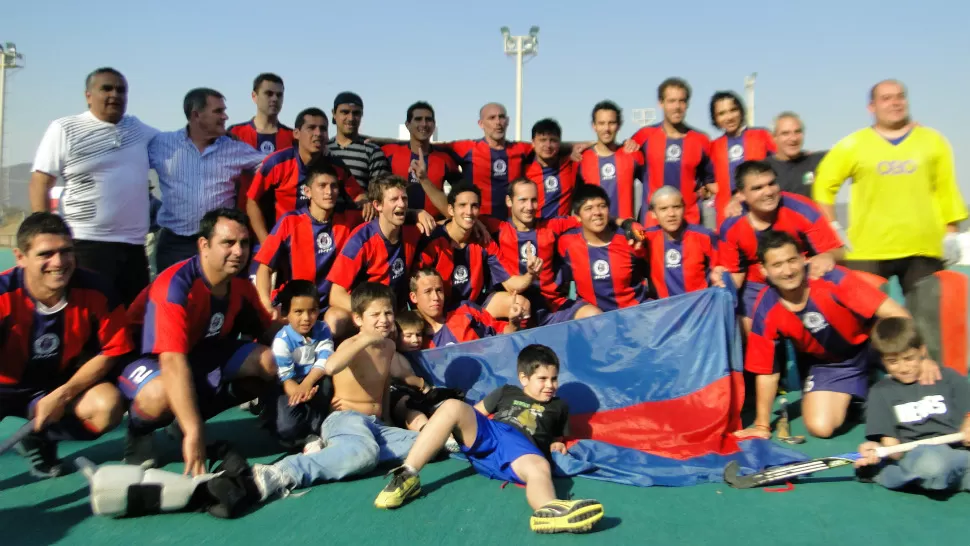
(295, 271)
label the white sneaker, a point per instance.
(271, 481)
(452, 445)
(313, 445)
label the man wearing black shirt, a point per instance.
(903, 410)
(794, 167)
(529, 422)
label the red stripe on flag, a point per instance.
(953, 320)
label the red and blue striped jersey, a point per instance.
(490, 169)
(441, 167)
(280, 182)
(466, 323)
(683, 163)
(515, 246)
(615, 173)
(469, 273)
(266, 143)
(41, 348)
(680, 266)
(729, 152)
(369, 257)
(797, 216)
(182, 314)
(555, 184)
(831, 327)
(609, 277)
(302, 248)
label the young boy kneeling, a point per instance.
(528, 423)
(902, 410)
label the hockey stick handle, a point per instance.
(17, 436)
(909, 446)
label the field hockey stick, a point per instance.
(17, 436)
(782, 473)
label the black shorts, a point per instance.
(909, 270)
(124, 266)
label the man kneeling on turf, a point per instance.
(528, 424)
(61, 331)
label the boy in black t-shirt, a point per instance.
(528, 424)
(902, 410)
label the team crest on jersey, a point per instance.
(673, 258)
(46, 345)
(601, 269)
(736, 153)
(674, 151)
(608, 171)
(551, 183)
(397, 268)
(499, 167)
(267, 147)
(324, 242)
(814, 321)
(527, 249)
(808, 179)
(460, 275)
(215, 324)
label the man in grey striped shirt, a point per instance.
(198, 169)
(364, 160)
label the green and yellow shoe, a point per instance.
(405, 485)
(559, 516)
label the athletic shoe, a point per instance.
(41, 453)
(313, 444)
(405, 485)
(271, 481)
(559, 516)
(452, 445)
(140, 449)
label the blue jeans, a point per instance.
(936, 468)
(354, 444)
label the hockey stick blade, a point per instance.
(17, 436)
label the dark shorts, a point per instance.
(748, 297)
(213, 368)
(497, 445)
(566, 312)
(909, 270)
(124, 266)
(849, 376)
(20, 401)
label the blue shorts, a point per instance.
(849, 376)
(566, 312)
(747, 298)
(213, 368)
(497, 445)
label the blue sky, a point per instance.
(817, 58)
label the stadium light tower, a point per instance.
(520, 46)
(644, 116)
(749, 97)
(9, 59)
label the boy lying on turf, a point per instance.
(529, 422)
(902, 410)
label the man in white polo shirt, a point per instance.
(102, 155)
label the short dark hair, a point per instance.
(608, 105)
(587, 192)
(426, 271)
(88, 81)
(547, 126)
(721, 95)
(420, 105)
(679, 83)
(893, 335)
(308, 112)
(532, 357)
(462, 187)
(266, 77)
(377, 187)
(367, 293)
(196, 100)
(298, 288)
(41, 223)
(748, 168)
(516, 182)
(319, 167)
(208, 224)
(409, 319)
(773, 240)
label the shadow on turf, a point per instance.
(19, 480)
(42, 523)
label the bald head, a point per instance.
(886, 85)
(490, 107)
(494, 121)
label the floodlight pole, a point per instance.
(749, 97)
(9, 59)
(520, 46)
